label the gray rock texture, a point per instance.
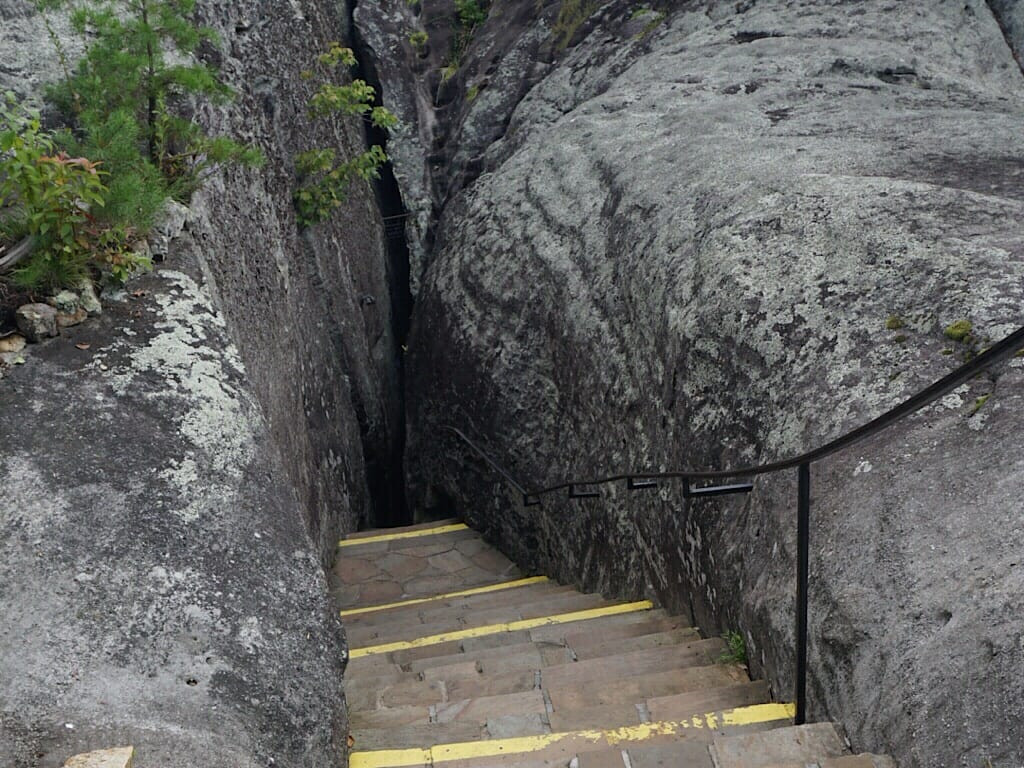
(158, 586)
(1010, 14)
(683, 250)
(166, 502)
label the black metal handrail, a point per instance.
(997, 353)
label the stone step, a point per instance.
(422, 611)
(865, 760)
(435, 621)
(418, 735)
(688, 754)
(603, 716)
(539, 628)
(681, 705)
(800, 744)
(371, 532)
(565, 747)
(589, 646)
(557, 652)
(678, 707)
(630, 689)
(556, 661)
(698, 653)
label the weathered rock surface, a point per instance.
(37, 322)
(160, 585)
(1010, 14)
(683, 252)
(157, 584)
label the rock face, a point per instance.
(1010, 14)
(685, 249)
(166, 506)
(157, 582)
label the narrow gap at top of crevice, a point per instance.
(387, 483)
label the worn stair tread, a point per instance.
(601, 716)
(795, 744)
(662, 658)
(418, 735)
(626, 626)
(369, 532)
(483, 708)
(609, 758)
(388, 717)
(557, 652)
(437, 621)
(442, 603)
(680, 755)
(633, 688)
(591, 647)
(741, 694)
(538, 628)
(565, 746)
(863, 760)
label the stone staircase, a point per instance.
(459, 661)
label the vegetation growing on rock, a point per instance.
(959, 331)
(86, 193)
(324, 178)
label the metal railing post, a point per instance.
(803, 535)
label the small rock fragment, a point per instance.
(121, 757)
(65, 319)
(65, 302)
(170, 223)
(88, 300)
(37, 321)
(13, 343)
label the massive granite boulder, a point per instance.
(158, 585)
(717, 233)
(170, 492)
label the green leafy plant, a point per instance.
(139, 61)
(418, 40)
(571, 15)
(324, 177)
(470, 13)
(736, 649)
(55, 198)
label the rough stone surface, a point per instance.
(157, 582)
(683, 251)
(166, 523)
(310, 311)
(37, 321)
(1010, 14)
(65, 301)
(88, 299)
(104, 758)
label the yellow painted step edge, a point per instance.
(404, 535)
(462, 593)
(478, 750)
(494, 629)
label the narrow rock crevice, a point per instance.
(386, 478)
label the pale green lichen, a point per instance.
(958, 331)
(979, 403)
(893, 323)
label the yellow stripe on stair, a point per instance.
(462, 593)
(495, 629)
(570, 741)
(404, 535)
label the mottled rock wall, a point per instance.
(683, 250)
(158, 586)
(1010, 14)
(164, 515)
(311, 311)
